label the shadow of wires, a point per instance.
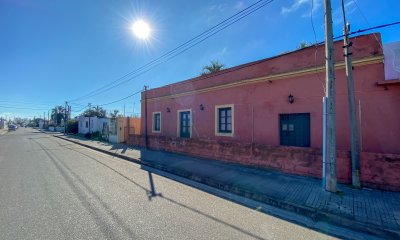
(152, 193)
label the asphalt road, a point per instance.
(54, 189)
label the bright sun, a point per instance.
(141, 29)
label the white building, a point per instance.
(92, 125)
(391, 52)
(118, 130)
(3, 123)
(41, 124)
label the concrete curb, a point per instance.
(311, 213)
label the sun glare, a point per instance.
(141, 29)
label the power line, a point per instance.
(369, 25)
(119, 100)
(79, 109)
(319, 43)
(261, 61)
(170, 52)
(316, 46)
(367, 29)
(26, 108)
(24, 103)
(173, 53)
(77, 104)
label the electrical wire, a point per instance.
(26, 108)
(367, 29)
(79, 109)
(119, 100)
(261, 61)
(183, 47)
(24, 103)
(180, 52)
(267, 59)
(366, 20)
(77, 104)
(173, 50)
(316, 47)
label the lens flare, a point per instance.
(141, 29)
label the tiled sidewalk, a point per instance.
(374, 211)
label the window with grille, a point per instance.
(225, 120)
(157, 122)
(184, 124)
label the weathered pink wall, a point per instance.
(377, 170)
(379, 107)
(257, 107)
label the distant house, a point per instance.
(92, 125)
(118, 129)
(42, 124)
(3, 123)
(121, 127)
(268, 114)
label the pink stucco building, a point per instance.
(268, 114)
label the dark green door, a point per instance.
(295, 129)
(184, 118)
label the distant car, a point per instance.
(12, 127)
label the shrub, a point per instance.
(97, 136)
(88, 135)
(72, 126)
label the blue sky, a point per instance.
(52, 50)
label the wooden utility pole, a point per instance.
(330, 151)
(145, 117)
(355, 150)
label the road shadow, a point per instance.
(152, 193)
(71, 178)
(121, 147)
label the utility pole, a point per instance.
(124, 110)
(330, 136)
(65, 118)
(145, 117)
(355, 150)
(44, 120)
(133, 110)
(90, 107)
(48, 118)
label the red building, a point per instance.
(268, 114)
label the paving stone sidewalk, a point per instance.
(373, 211)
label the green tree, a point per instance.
(72, 126)
(303, 44)
(114, 113)
(58, 114)
(213, 67)
(100, 112)
(96, 112)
